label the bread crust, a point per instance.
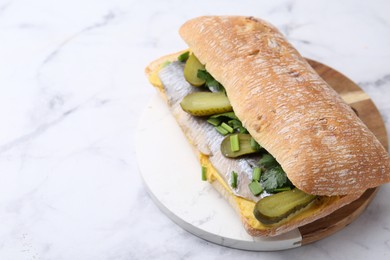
(322, 145)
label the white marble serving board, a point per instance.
(172, 175)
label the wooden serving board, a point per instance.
(173, 178)
(369, 114)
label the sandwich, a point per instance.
(272, 136)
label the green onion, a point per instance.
(184, 56)
(234, 181)
(214, 121)
(227, 127)
(255, 188)
(221, 130)
(256, 174)
(235, 123)
(281, 189)
(255, 145)
(242, 130)
(204, 173)
(234, 143)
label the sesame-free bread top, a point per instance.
(322, 145)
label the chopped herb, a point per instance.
(242, 130)
(274, 178)
(221, 130)
(211, 83)
(234, 143)
(255, 145)
(214, 121)
(184, 56)
(232, 123)
(235, 123)
(282, 189)
(268, 161)
(256, 174)
(227, 127)
(255, 188)
(229, 115)
(204, 173)
(234, 180)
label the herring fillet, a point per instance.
(203, 135)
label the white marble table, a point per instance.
(72, 90)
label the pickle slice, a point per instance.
(191, 71)
(206, 103)
(245, 146)
(274, 208)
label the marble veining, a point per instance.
(72, 91)
(105, 20)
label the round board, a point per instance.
(171, 173)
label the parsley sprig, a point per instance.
(211, 83)
(274, 179)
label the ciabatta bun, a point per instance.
(323, 147)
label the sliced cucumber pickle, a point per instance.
(191, 71)
(206, 103)
(274, 208)
(245, 146)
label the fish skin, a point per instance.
(203, 135)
